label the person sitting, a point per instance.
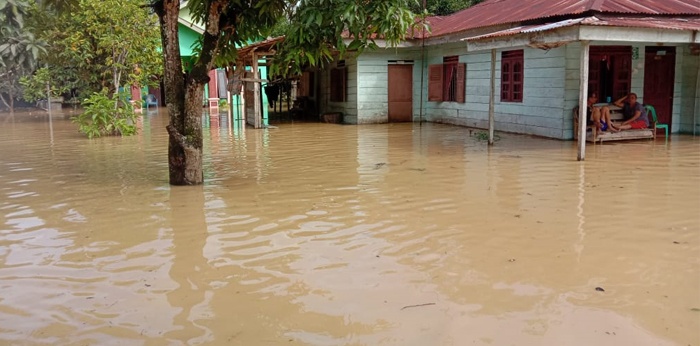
(634, 113)
(600, 116)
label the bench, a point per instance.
(593, 135)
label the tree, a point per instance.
(19, 49)
(445, 7)
(99, 44)
(315, 30)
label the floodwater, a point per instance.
(323, 234)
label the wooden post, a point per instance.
(697, 97)
(583, 100)
(492, 95)
(256, 93)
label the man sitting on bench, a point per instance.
(634, 112)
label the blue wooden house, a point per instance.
(521, 61)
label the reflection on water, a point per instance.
(321, 234)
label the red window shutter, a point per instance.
(505, 81)
(435, 83)
(517, 82)
(461, 81)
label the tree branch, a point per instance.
(179, 138)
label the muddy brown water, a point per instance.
(322, 234)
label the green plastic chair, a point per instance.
(650, 110)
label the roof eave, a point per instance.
(555, 37)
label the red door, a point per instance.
(400, 93)
(659, 76)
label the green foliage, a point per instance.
(106, 115)
(34, 86)
(99, 44)
(317, 28)
(445, 7)
(19, 48)
(314, 29)
(484, 136)
(223, 103)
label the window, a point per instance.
(339, 78)
(446, 81)
(512, 76)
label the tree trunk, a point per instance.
(11, 96)
(185, 130)
(183, 93)
(4, 101)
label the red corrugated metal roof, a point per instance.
(653, 23)
(498, 12)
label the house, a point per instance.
(532, 52)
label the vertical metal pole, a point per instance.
(492, 95)
(582, 100)
(48, 105)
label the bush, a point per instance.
(106, 116)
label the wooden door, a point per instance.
(659, 76)
(400, 93)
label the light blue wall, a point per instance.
(551, 89)
(540, 113)
(689, 104)
(373, 83)
(367, 94)
(349, 107)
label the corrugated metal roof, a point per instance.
(650, 22)
(500, 12)
(653, 23)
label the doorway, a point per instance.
(610, 72)
(659, 76)
(400, 93)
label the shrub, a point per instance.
(106, 115)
